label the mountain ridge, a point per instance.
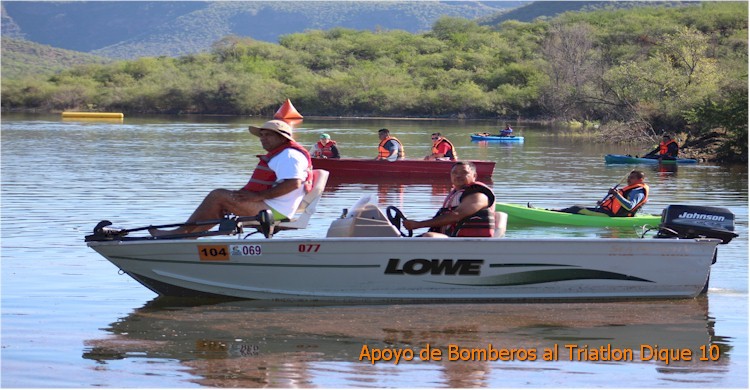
(126, 30)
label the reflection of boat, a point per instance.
(523, 215)
(254, 343)
(627, 159)
(391, 188)
(434, 169)
(496, 138)
(363, 258)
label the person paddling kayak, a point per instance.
(667, 149)
(507, 132)
(624, 202)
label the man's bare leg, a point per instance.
(214, 206)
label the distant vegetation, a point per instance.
(635, 71)
(21, 58)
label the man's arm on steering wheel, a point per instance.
(470, 205)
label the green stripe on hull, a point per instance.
(547, 276)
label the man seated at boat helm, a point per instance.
(325, 148)
(390, 148)
(622, 202)
(468, 210)
(279, 182)
(667, 149)
(442, 149)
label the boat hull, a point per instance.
(497, 138)
(436, 169)
(523, 215)
(417, 269)
(624, 159)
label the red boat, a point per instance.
(440, 170)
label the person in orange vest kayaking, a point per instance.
(442, 149)
(325, 148)
(468, 209)
(507, 132)
(390, 148)
(667, 149)
(619, 202)
(279, 182)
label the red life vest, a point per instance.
(383, 153)
(325, 150)
(664, 147)
(480, 224)
(451, 153)
(264, 178)
(614, 207)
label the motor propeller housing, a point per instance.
(681, 221)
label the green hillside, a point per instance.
(21, 58)
(130, 29)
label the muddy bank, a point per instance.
(712, 147)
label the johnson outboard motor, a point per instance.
(680, 221)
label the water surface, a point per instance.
(69, 319)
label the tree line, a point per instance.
(636, 71)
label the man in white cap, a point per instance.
(279, 182)
(325, 148)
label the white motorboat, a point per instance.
(365, 258)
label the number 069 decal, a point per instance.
(247, 250)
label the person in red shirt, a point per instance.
(442, 149)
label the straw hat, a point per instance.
(277, 126)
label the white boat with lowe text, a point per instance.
(364, 257)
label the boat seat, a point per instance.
(305, 210)
(364, 220)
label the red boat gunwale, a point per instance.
(402, 168)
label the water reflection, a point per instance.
(392, 187)
(254, 344)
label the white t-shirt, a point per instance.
(289, 164)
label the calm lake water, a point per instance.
(69, 319)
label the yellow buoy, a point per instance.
(111, 115)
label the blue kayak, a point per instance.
(498, 138)
(625, 159)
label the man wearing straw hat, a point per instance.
(279, 182)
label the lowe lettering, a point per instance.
(434, 267)
(701, 216)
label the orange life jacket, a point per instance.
(480, 224)
(264, 177)
(451, 153)
(613, 207)
(383, 153)
(325, 150)
(664, 147)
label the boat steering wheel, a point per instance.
(395, 217)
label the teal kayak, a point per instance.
(498, 138)
(523, 215)
(626, 159)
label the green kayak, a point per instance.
(523, 215)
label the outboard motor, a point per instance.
(680, 221)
